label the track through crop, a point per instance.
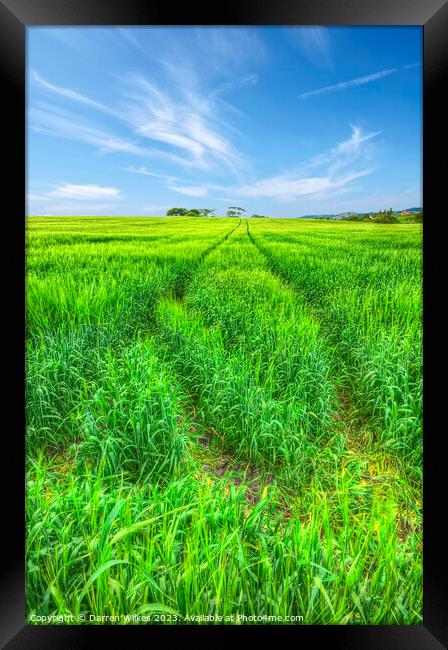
(380, 469)
(224, 418)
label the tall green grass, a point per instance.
(194, 549)
(293, 349)
(364, 285)
(252, 359)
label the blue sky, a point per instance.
(281, 121)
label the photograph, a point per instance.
(224, 400)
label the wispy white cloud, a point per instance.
(286, 189)
(77, 128)
(347, 161)
(342, 85)
(73, 37)
(143, 171)
(36, 197)
(240, 82)
(72, 95)
(130, 35)
(357, 81)
(172, 182)
(226, 50)
(314, 42)
(348, 152)
(75, 208)
(85, 192)
(177, 117)
(52, 121)
(186, 123)
(76, 200)
(190, 191)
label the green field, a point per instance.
(224, 418)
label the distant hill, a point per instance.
(344, 215)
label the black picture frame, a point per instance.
(15, 16)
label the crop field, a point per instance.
(224, 419)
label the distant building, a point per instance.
(405, 212)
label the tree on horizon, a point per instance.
(235, 211)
